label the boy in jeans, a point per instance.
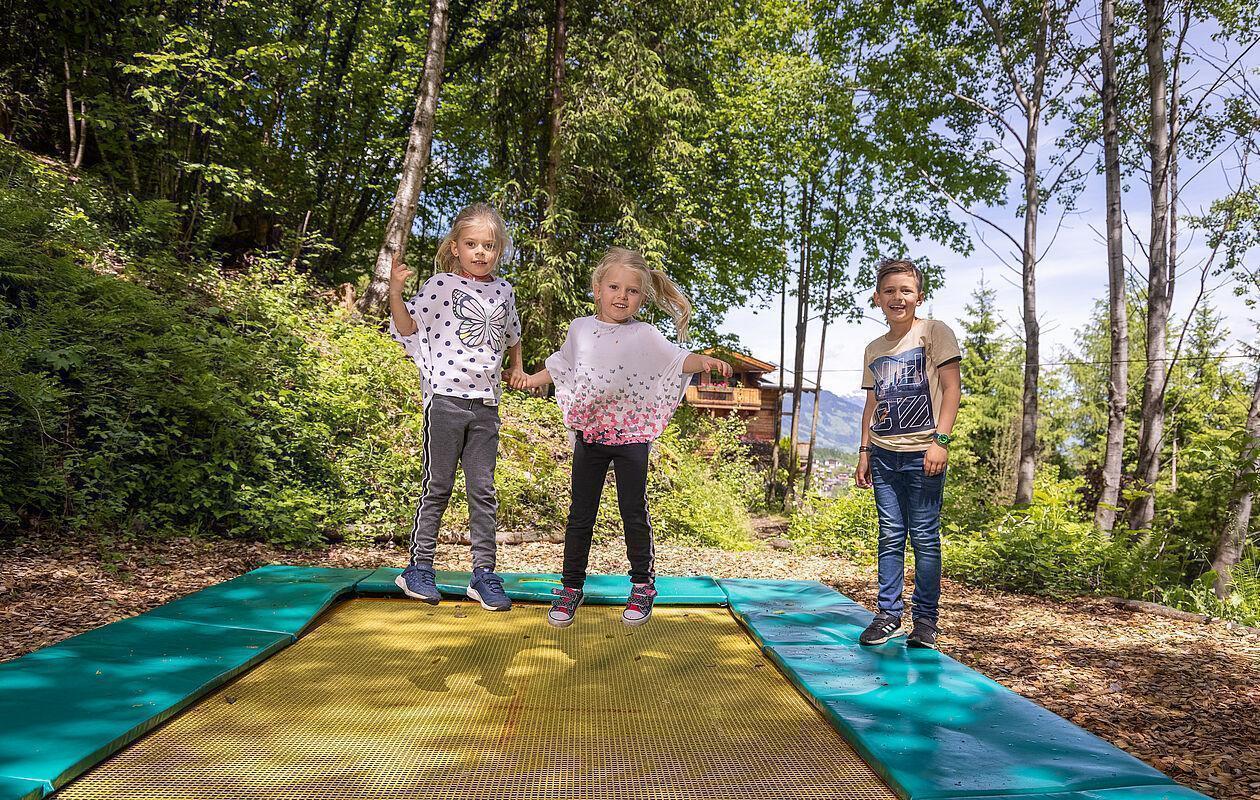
(913, 386)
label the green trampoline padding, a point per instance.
(20, 789)
(934, 728)
(68, 706)
(750, 595)
(1158, 792)
(536, 587)
(836, 625)
(282, 599)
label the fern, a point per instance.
(1245, 599)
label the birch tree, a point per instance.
(1118, 381)
(402, 214)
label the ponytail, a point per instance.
(670, 299)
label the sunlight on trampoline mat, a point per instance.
(396, 699)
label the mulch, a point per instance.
(1182, 696)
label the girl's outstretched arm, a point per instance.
(698, 363)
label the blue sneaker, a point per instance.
(420, 583)
(487, 588)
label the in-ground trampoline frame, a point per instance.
(930, 727)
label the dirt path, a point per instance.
(1181, 696)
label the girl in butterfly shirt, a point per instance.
(457, 329)
(618, 381)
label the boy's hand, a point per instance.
(935, 459)
(711, 364)
(398, 275)
(862, 477)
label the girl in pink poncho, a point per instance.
(618, 381)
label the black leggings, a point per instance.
(590, 467)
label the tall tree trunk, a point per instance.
(1230, 547)
(1027, 469)
(71, 124)
(415, 162)
(833, 253)
(550, 282)
(1159, 299)
(555, 105)
(1030, 100)
(822, 354)
(778, 398)
(802, 326)
(1118, 383)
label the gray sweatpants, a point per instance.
(457, 430)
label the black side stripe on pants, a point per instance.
(414, 548)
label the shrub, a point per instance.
(847, 524)
(1047, 548)
(691, 502)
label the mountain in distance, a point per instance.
(839, 419)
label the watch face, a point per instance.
(944, 438)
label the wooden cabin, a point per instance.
(745, 394)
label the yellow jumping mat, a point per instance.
(397, 699)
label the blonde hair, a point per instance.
(656, 286)
(446, 261)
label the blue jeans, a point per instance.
(909, 504)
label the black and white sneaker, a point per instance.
(881, 629)
(923, 635)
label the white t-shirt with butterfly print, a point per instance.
(617, 383)
(464, 327)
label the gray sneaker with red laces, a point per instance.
(639, 605)
(564, 606)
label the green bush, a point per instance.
(692, 502)
(1048, 548)
(847, 524)
(1243, 603)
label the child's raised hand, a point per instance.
(398, 275)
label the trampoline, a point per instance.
(294, 682)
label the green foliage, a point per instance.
(1050, 547)
(1243, 602)
(983, 460)
(847, 524)
(158, 396)
(703, 485)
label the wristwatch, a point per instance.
(864, 449)
(943, 439)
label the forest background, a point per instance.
(198, 198)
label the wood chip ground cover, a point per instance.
(1182, 696)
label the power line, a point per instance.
(1079, 363)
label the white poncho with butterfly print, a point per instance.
(617, 383)
(464, 328)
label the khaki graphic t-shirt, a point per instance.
(907, 389)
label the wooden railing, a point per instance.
(737, 397)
